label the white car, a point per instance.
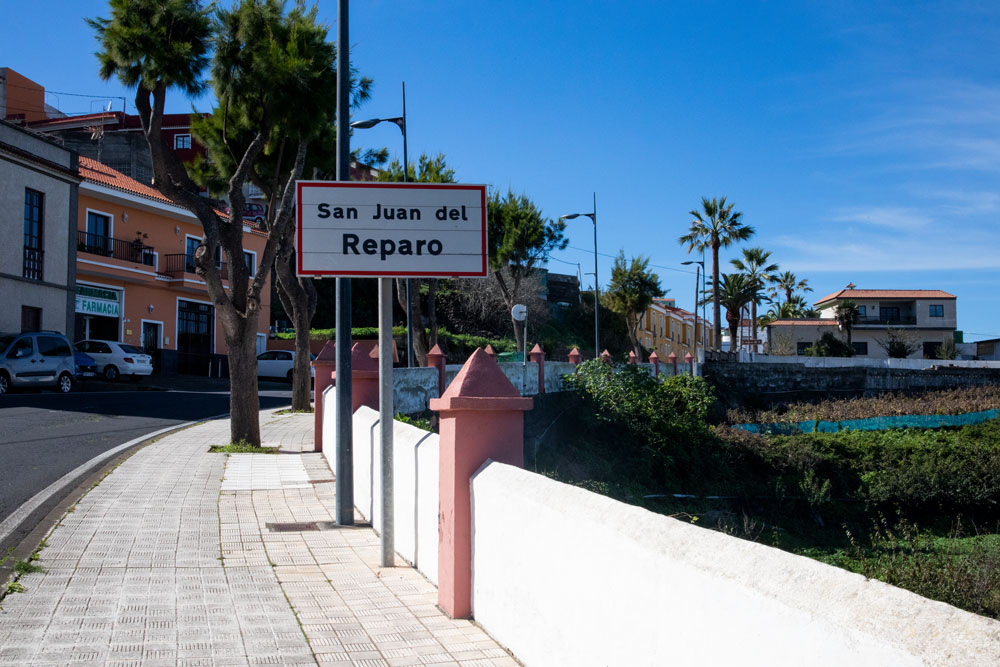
(279, 364)
(115, 359)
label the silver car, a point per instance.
(36, 359)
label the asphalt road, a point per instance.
(45, 435)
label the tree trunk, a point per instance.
(734, 323)
(753, 325)
(244, 403)
(420, 346)
(632, 323)
(298, 296)
(716, 311)
(432, 319)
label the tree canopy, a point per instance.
(631, 291)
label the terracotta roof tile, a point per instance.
(887, 294)
(102, 174)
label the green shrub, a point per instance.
(829, 346)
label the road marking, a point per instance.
(11, 523)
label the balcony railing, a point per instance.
(129, 251)
(32, 269)
(177, 265)
(888, 321)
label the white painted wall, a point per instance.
(563, 576)
(415, 482)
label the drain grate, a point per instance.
(292, 527)
(304, 526)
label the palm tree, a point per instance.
(715, 226)
(847, 315)
(735, 291)
(788, 282)
(754, 265)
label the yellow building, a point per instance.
(665, 328)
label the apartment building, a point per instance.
(665, 328)
(923, 318)
(38, 194)
(135, 273)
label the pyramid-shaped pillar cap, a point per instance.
(536, 350)
(481, 385)
(654, 357)
(327, 356)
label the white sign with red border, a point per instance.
(391, 229)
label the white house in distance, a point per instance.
(926, 318)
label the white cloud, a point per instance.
(891, 217)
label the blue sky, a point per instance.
(860, 139)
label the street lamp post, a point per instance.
(699, 270)
(400, 122)
(597, 301)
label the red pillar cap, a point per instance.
(654, 357)
(436, 350)
(671, 356)
(605, 353)
(536, 350)
(687, 357)
(481, 385)
(574, 351)
(360, 359)
(490, 351)
(327, 356)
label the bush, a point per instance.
(829, 346)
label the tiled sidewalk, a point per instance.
(169, 561)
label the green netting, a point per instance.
(871, 423)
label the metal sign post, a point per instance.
(408, 230)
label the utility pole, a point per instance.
(344, 502)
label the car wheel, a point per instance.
(4, 384)
(111, 373)
(65, 384)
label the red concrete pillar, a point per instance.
(672, 358)
(436, 358)
(655, 360)
(632, 359)
(689, 360)
(575, 357)
(491, 352)
(324, 363)
(364, 378)
(481, 418)
(537, 355)
(606, 356)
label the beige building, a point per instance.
(923, 319)
(665, 328)
(38, 207)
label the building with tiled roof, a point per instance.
(923, 318)
(665, 328)
(135, 273)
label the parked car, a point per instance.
(36, 359)
(279, 364)
(252, 211)
(86, 366)
(115, 359)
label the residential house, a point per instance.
(665, 328)
(744, 337)
(38, 194)
(135, 277)
(923, 318)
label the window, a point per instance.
(937, 311)
(250, 259)
(861, 311)
(182, 141)
(32, 267)
(860, 349)
(50, 346)
(800, 348)
(21, 349)
(97, 240)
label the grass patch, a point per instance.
(423, 423)
(22, 567)
(289, 411)
(241, 447)
(15, 587)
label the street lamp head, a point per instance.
(693, 261)
(365, 124)
(569, 217)
(592, 216)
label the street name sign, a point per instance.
(408, 230)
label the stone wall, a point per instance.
(736, 382)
